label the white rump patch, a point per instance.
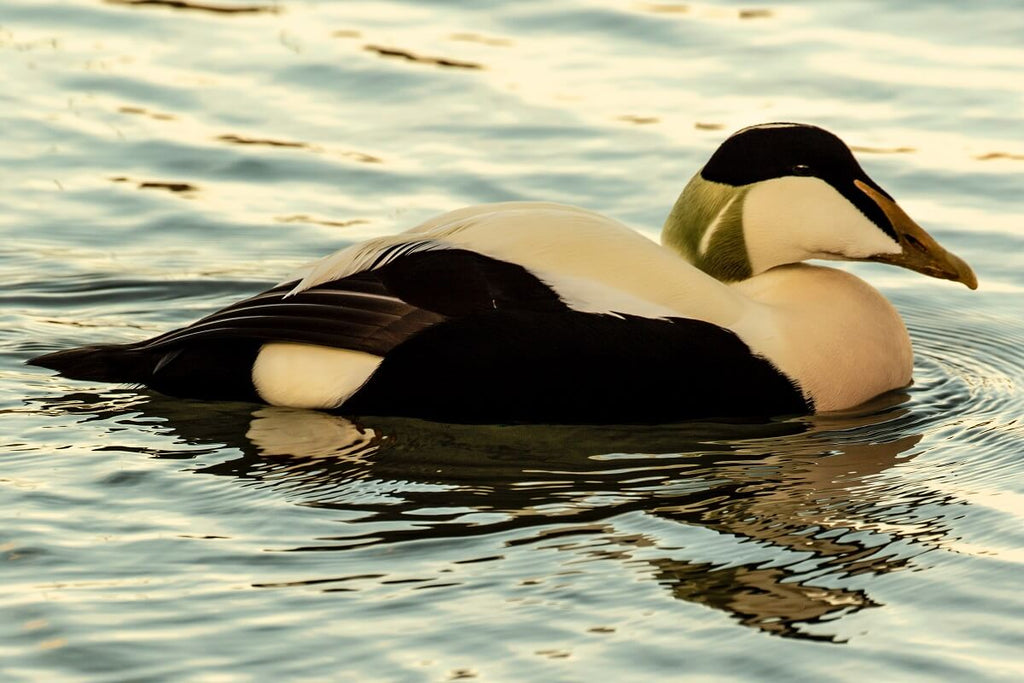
(308, 376)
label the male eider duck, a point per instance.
(540, 312)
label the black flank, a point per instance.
(573, 367)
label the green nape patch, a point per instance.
(702, 206)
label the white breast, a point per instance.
(837, 336)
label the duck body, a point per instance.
(524, 312)
(536, 312)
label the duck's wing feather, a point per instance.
(357, 313)
(370, 311)
(376, 309)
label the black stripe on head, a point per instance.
(777, 150)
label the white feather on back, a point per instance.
(572, 246)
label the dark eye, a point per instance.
(801, 169)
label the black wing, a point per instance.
(372, 311)
(375, 310)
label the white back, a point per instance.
(568, 244)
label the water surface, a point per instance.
(161, 159)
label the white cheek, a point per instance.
(791, 219)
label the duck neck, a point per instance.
(705, 227)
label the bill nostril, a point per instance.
(913, 242)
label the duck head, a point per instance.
(782, 193)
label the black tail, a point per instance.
(217, 370)
(119, 363)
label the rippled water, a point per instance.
(160, 159)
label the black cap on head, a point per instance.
(776, 150)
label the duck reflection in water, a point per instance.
(805, 493)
